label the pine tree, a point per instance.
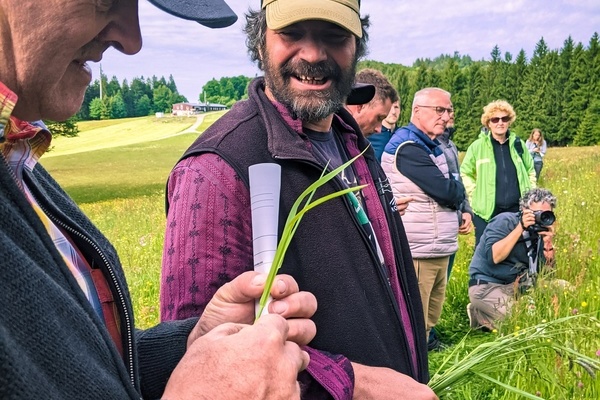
(143, 106)
(99, 109)
(576, 86)
(468, 119)
(517, 76)
(117, 106)
(162, 99)
(493, 83)
(588, 132)
(531, 111)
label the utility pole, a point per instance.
(100, 81)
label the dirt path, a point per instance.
(192, 129)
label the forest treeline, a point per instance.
(139, 98)
(556, 90)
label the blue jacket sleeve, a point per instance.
(414, 163)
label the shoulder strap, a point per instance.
(519, 146)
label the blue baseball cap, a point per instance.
(210, 13)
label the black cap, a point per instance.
(361, 93)
(211, 13)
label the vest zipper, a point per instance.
(115, 282)
(401, 278)
(381, 268)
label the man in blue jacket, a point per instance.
(416, 167)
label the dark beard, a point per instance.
(310, 106)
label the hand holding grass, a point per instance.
(264, 348)
(303, 204)
(234, 302)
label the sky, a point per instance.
(401, 31)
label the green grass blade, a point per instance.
(292, 222)
(508, 387)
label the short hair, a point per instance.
(256, 28)
(534, 131)
(383, 88)
(422, 94)
(537, 195)
(495, 106)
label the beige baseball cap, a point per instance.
(345, 13)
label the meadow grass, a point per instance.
(573, 175)
(98, 135)
(122, 190)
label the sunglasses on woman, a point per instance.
(495, 120)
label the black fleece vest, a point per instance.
(330, 255)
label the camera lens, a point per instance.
(544, 218)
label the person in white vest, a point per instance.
(417, 167)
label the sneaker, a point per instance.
(473, 324)
(436, 345)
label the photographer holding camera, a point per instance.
(513, 249)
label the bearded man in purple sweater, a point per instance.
(351, 252)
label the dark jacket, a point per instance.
(482, 265)
(330, 254)
(53, 345)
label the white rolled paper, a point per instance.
(265, 186)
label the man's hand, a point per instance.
(234, 302)
(384, 383)
(235, 361)
(466, 225)
(402, 204)
(527, 218)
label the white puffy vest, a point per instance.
(432, 230)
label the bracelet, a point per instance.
(522, 224)
(550, 249)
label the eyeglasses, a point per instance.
(440, 110)
(495, 120)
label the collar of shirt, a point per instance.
(22, 143)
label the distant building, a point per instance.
(187, 109)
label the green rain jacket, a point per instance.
(478, 172)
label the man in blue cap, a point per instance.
(66, 320)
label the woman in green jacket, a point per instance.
(496, 171)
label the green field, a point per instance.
(120, 183)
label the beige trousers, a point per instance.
(490, 302)
(432, 276)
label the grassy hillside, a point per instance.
(122, 158)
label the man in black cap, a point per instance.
(351, 251)
(66, 320)
(370, 114)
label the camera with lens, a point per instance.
(543, 219)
